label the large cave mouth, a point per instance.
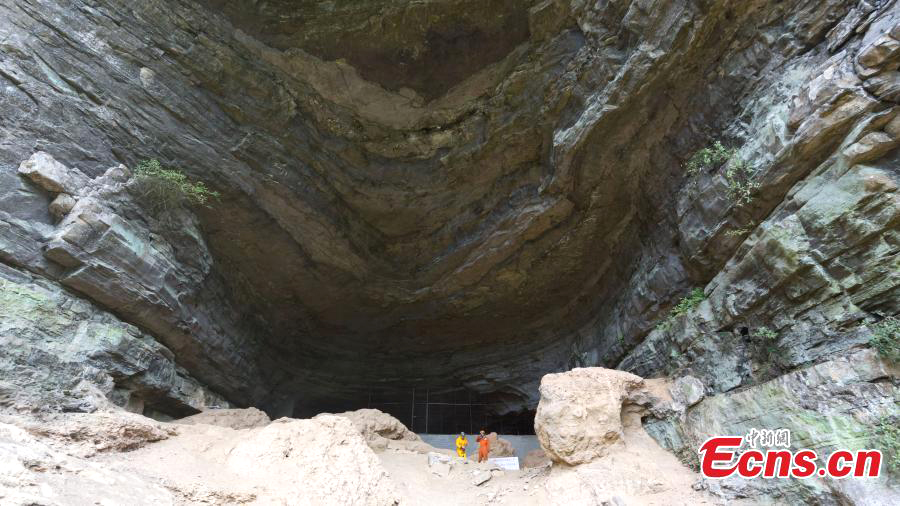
(427, 410)
(367, 241)
(459, 251)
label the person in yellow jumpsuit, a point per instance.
(461, 443)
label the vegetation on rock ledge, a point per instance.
(886, 338)
(164, 189)
(887, 439)
(738, 173)
(684, 306)
(708, 158)
(741, 185)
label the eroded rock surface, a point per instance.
(59, 352)
(832, 405)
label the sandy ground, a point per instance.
(638, 472)
(417, 485)
(191, 466)
(204, 464)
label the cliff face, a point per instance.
(457, 192)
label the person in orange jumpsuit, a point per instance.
(484, 447)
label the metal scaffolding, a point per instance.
(445, 411)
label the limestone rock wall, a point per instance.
(62, 353)
(79, 278)
(832, 405)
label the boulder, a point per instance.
(580, 412)
(481, 477)
(61, 205)
(687, 391)
(500, 447)
(51, 175)
(440, 464)
(372, 422)
(249, 418)
(323, 460)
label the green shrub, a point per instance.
(765, 333)
(735, 232)
(684, 306)
(886, 338)
(767, 350)
(708, 158)
(689, 303)
(739, 178)
(887, 439)
(165, 189)
(738, 175)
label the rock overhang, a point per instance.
(415, 48)
(367, 236)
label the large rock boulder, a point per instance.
(51, 175)
(580, 413)
(318, 461)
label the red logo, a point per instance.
(721, 457)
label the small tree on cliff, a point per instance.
(164, 189)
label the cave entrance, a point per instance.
(429, 410)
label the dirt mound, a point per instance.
(384, 432)
(34, 472)
(372, 422)
(86, 434)
(319, 461)
(122, 458)
(249, 418)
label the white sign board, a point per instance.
(507, 463)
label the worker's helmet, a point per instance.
(462, 433)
